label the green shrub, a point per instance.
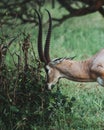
(25, 103)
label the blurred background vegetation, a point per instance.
(78, 30)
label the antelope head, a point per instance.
(89, 70)
(52, 73)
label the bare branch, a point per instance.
(96, 6)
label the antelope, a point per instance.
(89, 70)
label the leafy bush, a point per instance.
(24, 101)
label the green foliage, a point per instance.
(24, 100)
(21, 101)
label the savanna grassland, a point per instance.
(22, 105)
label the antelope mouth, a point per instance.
(50, 86)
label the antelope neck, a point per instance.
(76, 70)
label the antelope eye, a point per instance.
(46, 70)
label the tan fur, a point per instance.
(90, 70)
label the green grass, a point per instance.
(83, 37)
(80, 37)
(88, 109)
